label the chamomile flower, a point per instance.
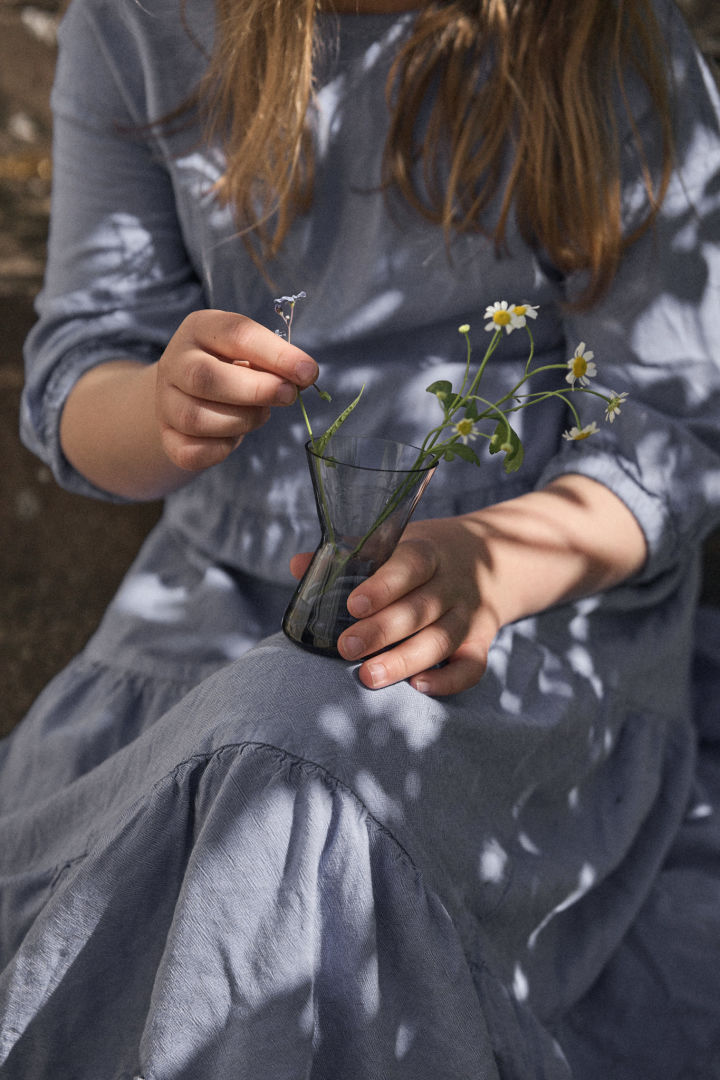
(523, 312)
(465, 428)
(464, 329)
(575, 434)
(613, 405)
(580, 366)
(501, 315)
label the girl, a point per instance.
(486, 851)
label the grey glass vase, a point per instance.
(366, 490)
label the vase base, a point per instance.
(308, 643)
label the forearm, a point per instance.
(109, 432)
(571, 539)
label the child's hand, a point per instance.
(217, 380)
(453, 582)
(426, 600)
(434, 601)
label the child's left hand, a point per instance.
(451, 583)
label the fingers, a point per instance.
(464, 669)
(420, 610)
(212, 419)
(412, 565)
(417, 658)
(203, 377)
(237, 339)
(217, 381)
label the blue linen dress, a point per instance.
(221, 856)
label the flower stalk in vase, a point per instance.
(466, 414)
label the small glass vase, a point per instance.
(366, 490)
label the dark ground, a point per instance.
(62, 556)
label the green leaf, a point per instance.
(466, 453)
(514, 457)
(471, 410)
(449, 455)
(324, 439)
(441, 389)
(499, 436)
(506, 441)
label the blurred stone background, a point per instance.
(62, 556)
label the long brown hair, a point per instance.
(532, 83)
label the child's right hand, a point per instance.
(142, 430)
(217, 380)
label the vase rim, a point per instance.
(335, 439)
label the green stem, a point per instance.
(392, 503)
(306, 418)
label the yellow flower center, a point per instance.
(464, 427)
(520, 309)
(501, 318)
(582, 435)
(579, 366)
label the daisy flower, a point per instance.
(466, 430)
(613, 405)
(575, 434)
(581, 367)
(501, 315)
(523, 312)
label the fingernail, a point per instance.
(306, 370)
(377, 673)
(420, 686)
(286, 394)
(359, 606)
(352, 646)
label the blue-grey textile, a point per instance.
(221, 856)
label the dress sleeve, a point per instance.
(118, 278)
(655, 335)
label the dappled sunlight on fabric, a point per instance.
(519, 804)
(493, 862)
(497, 660)
(381, 803)
(233, 645)
(510, 702)
(146, 596)
(368, 985)
(338, 725)
(699, 812)
(579, 627)
(412, 785)
(582, 662)
(420, 730)
(527, 844)
(520, 985)
(586, 880)
(218, 580)
(404, 1038)
(555, 682)
(377, 310)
